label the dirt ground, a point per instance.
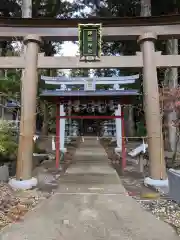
(131, 178)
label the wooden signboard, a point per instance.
(90, 42)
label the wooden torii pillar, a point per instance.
(28, 116)
(152, 108)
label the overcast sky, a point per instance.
(69, 49)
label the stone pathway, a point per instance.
(90, 204)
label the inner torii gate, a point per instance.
(144, 30)
(87, 87)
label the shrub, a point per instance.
(8, 140)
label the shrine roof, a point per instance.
(82, 93)
(52, 95)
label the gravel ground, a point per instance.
(14, 204)
(160, 206)
(165, 210)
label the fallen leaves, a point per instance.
(15, 204)
(165, 210)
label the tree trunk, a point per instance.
(44, 130)
(171, 78)
(131, 123)
(145, 8)
(26, 9)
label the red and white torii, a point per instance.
(87, 92)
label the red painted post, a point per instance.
(57, 135)
(123, 141)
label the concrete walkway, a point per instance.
(90, 204)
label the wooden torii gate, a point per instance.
(144, 30)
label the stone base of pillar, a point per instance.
(155, 183)
(24, 184)
(118, 149)
(64, 150)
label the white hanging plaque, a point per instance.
(89, 85)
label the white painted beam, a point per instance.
(97, 82)
(114, 78)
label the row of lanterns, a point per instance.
(108, 129)
(91, 107)
(73, 130)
